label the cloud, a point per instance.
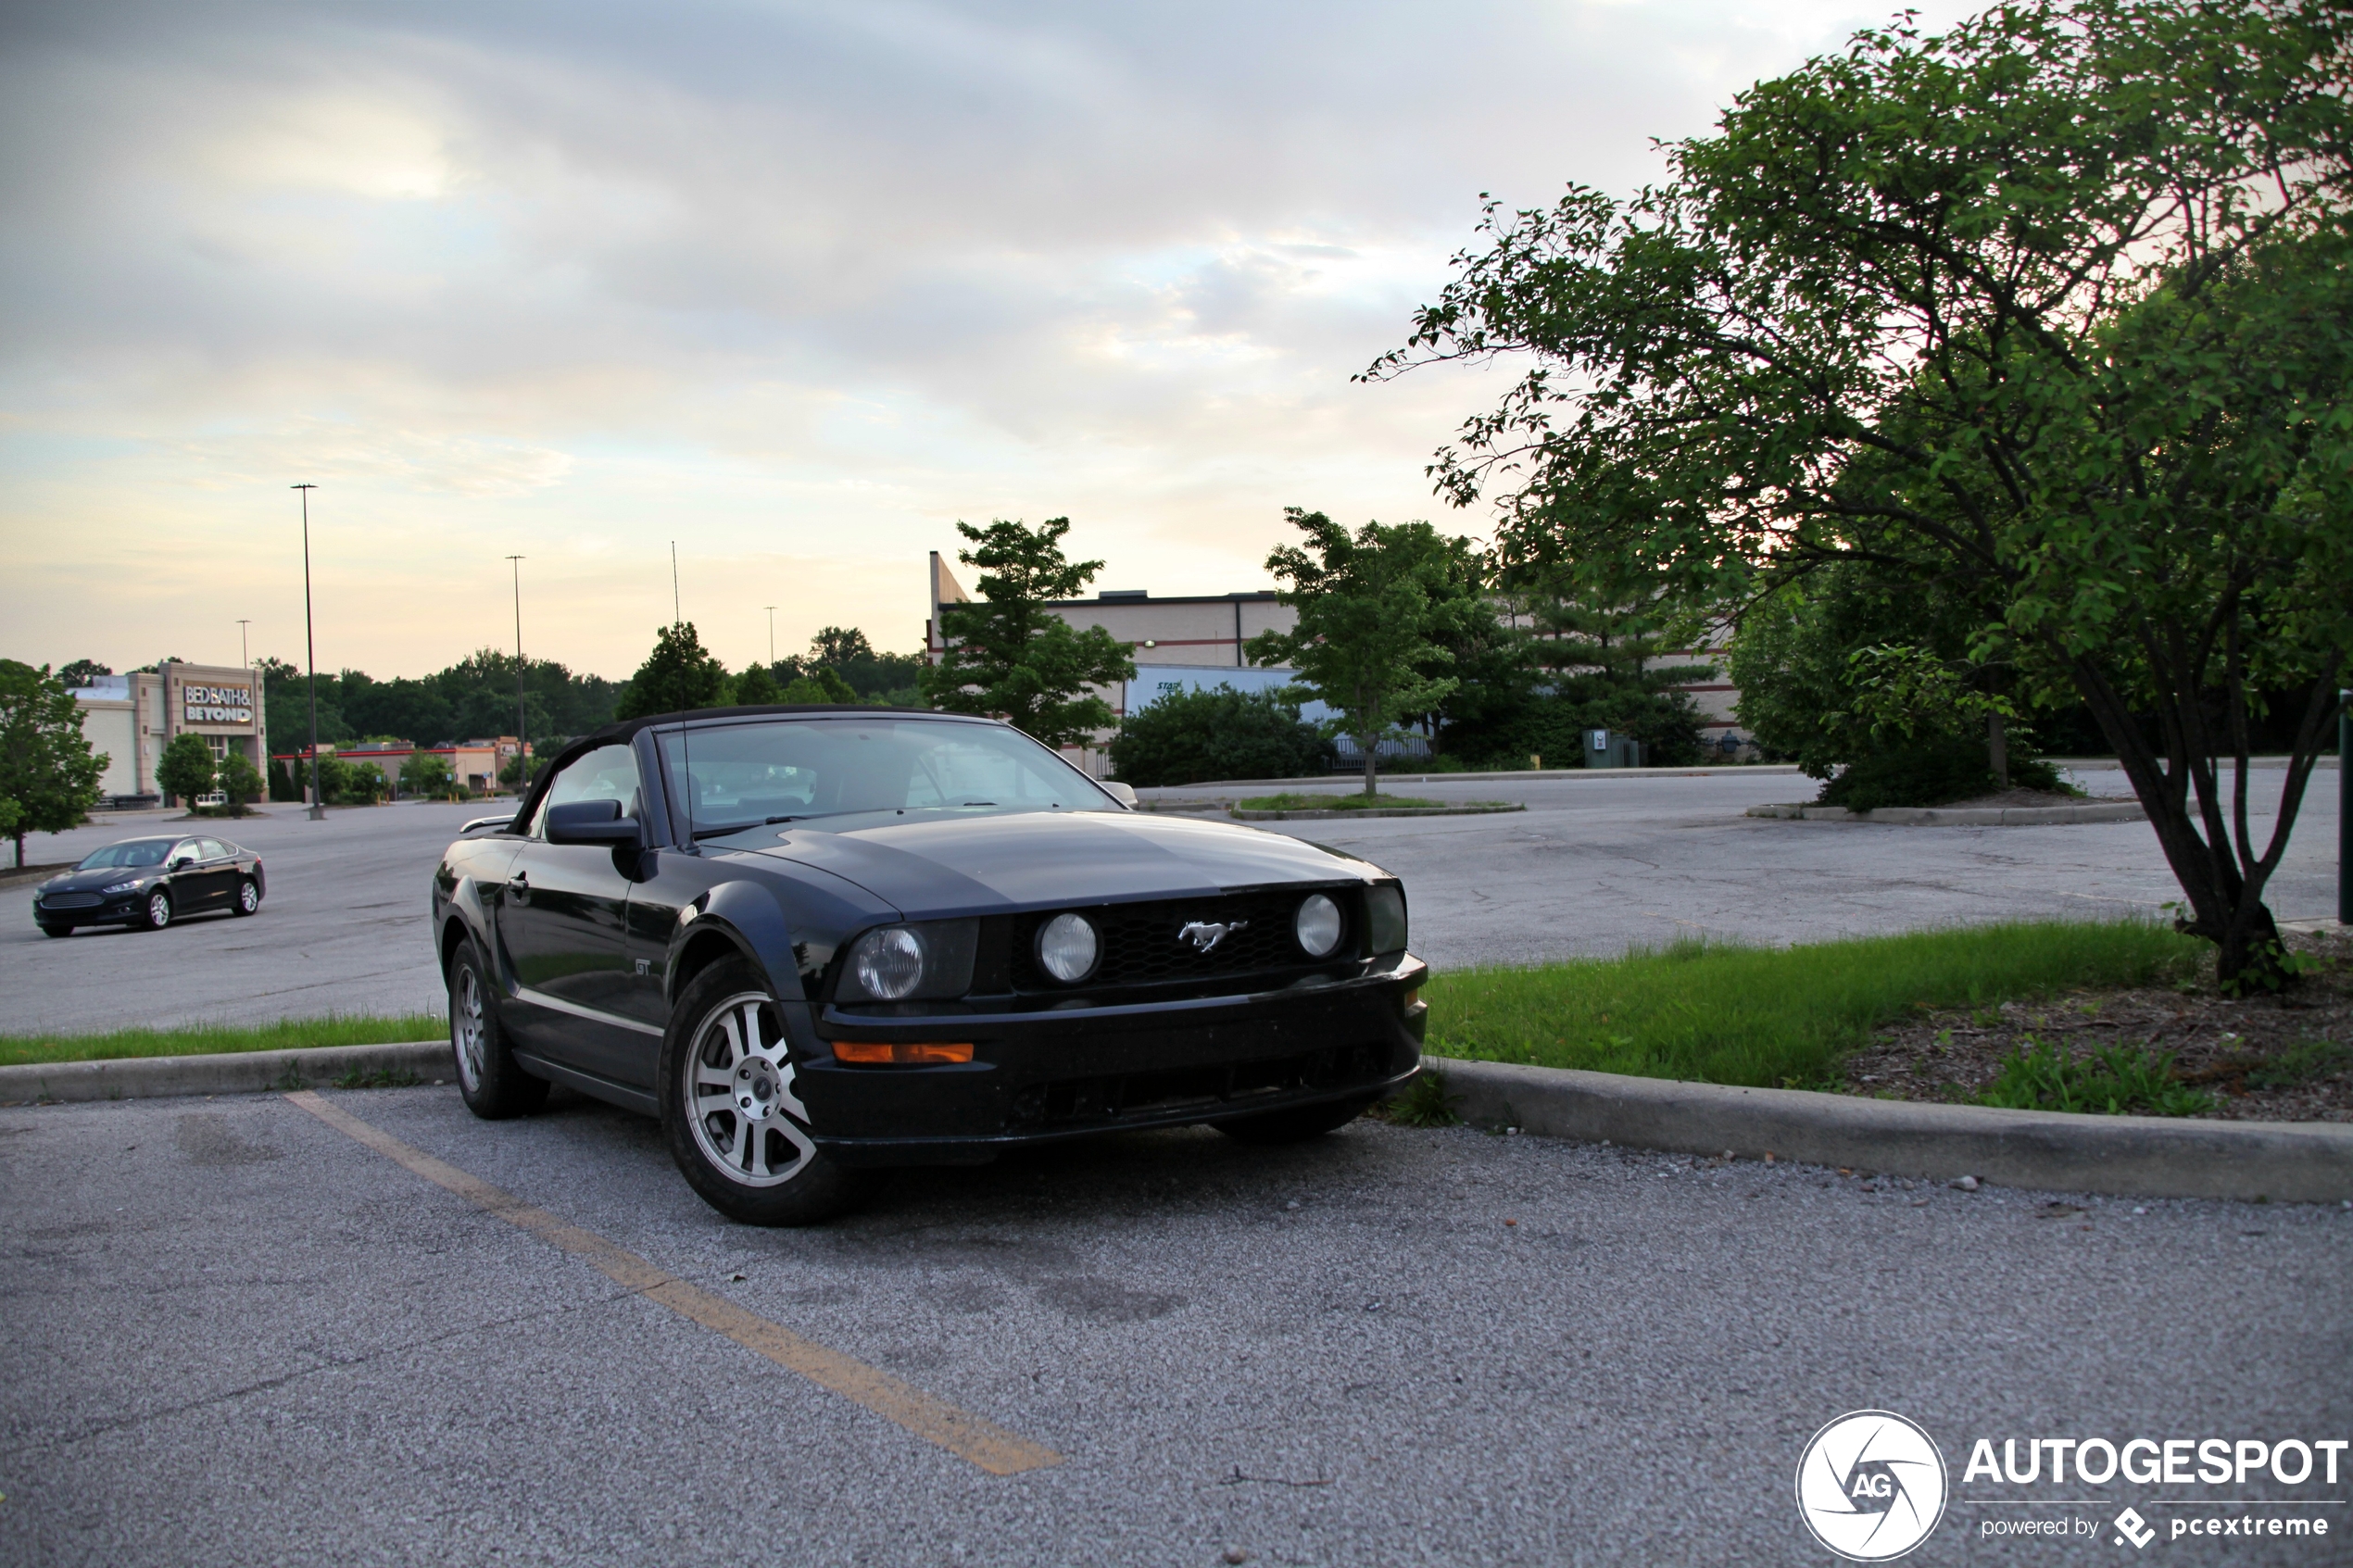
(793, 284)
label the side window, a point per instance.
(215, 850)
(187, 849)
(609, 772)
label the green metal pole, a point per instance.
(2343, 807)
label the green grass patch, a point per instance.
(207, 1039)
(1787, 1017)
(2113, 1081)
(2301, 1063)
(1357, 802)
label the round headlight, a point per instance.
(1319, 926)
(1067, 947)
(890, 963)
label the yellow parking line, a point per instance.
(960, 1432)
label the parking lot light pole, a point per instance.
(310, 648)
(771, 637)
(523, 736)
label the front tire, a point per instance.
(157, 913)
(491, 1080)
(248, 896)
(1297, 1125)
(737, 1131)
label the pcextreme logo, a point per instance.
(1871, 1486)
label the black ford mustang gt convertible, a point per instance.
(817, 941)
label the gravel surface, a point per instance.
(2276, 1058)
(236, 1336)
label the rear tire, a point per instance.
(52, 928)
(737, 1131)
(492, 1083)
(248, 897)
(1297, 1125)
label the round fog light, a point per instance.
(1067, 947)
(890, 963)
(1319, 926)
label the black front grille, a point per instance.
(72, 900)
(1239, 1086)
(1145, 944)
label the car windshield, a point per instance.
(136, 852)
(738, 776)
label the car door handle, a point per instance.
(520, 886)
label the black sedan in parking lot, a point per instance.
(817, 941)
(149, 882)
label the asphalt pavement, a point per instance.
(1595, 864)
(236, 1336)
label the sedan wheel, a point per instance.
(736, 1127)
(157, 913)
(248, 896)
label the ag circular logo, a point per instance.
(1871, 1486)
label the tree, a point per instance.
(2054, 309)
(47, 771)
(755, 686)
(1186, 736)
(187, 768)
(428, 773)
(240, 781)
(819, 685)
(80, 672)
(1010, 655)
(677, 677)
(839, 645)
(362, 783)
(1363, 638)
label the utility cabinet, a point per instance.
(1608, 749)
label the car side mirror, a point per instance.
(1123, 793)
(590, 821)
(181, 863)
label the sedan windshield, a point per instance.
(136, 852)
(737, 776)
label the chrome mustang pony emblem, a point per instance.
(1205, 937)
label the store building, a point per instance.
(475, 764)
(132, 719)
(1190, 643)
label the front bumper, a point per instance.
(1056, 1074)
(120, 909)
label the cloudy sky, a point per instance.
(795, 286)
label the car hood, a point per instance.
(1038, 859)
(103, 876)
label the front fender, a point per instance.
(746, 915)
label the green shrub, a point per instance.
(1932, 773)
(1188, 736)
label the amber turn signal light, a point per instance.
(891, 1053)
(1413, 996)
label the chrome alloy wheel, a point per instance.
(248, 896)
(737, 1086)
(468, 1029)
(159, 910)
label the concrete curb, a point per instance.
(233, 1072)
(1316, 815)
(2144, 1156)
(1962, 816)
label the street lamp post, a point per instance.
(310, 648)
(245, 647)
(522, 734)
(771, 637)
